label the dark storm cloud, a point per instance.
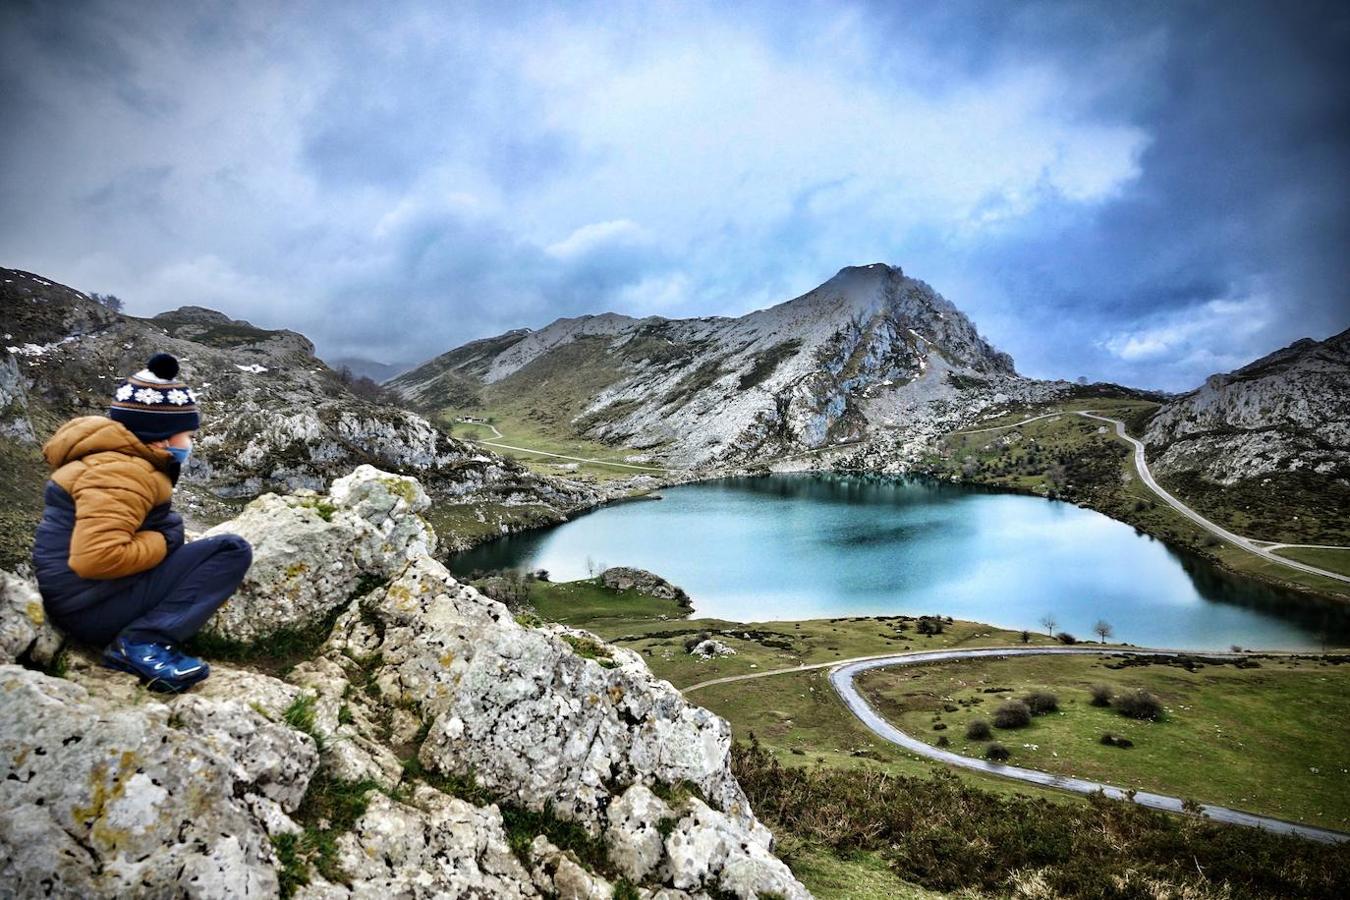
(1141, 192)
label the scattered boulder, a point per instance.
(708, 648)
(623, 578)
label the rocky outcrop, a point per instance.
(108, 794)
(623, 578)
(310, 552)
(471, 750)
(1286, 412)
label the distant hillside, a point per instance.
(274, 417)
(869, 350)
(369, 368)
(1288, 411)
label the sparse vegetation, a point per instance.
(940, 832)
(1041, 702)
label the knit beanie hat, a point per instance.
(153, 404)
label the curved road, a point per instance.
(842, 677)
(1236, 540)
(1260, 548)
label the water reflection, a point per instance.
(811, 546)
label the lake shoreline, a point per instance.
(1233, 590)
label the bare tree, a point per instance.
(111, 301)
(1048, 622)
(1103, 629)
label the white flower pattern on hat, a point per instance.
(124, 392)
(192, 395)
(149, 395)
(177, 397)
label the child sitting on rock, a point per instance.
(109, 553)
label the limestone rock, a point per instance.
(558, 874)
(311, 552)
(434, 846)
(709, 648)
(623, 578)
(24, 630)
(707, 849)
(525, 710)
(636, 846)
(99, 801)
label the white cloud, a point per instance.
(597, 234)
(1186, 337)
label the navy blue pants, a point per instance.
(170, 602)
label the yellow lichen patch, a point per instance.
(296, 569)
(100, 796)
(446, 660)
(615, 693)
(35, 613)
(400, 487)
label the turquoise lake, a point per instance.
(820, 546)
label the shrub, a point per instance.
(928, 626)
(942, 740)
(939, 726)
(1139, 705)
(996, 752)
(1042, 702)
(1012, 714)
(1065, 638)
(978, 730)
(1101, 694)
(1026, 637)
(1115, 740)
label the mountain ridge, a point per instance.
(718, 389)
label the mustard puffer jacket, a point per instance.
(105, 485)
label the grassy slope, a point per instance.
(23, 476)
(1084, 464)
(1333, 560)
(518, 427)
(1258, 739)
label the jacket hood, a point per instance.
(84, 435)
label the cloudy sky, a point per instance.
(1143, 192)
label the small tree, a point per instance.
(1026, 637)
(111, 301)
(1048, 622)
(1103, 629)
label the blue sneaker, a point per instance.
(160, 666)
